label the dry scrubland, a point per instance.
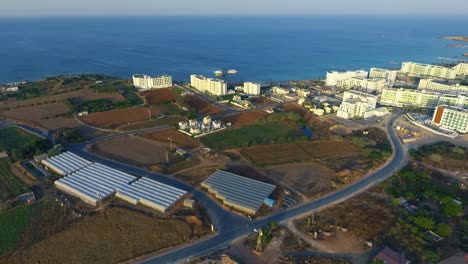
(244, 118)
(178, 138)
(118, 117)
(202, 106)
(114, 236)
(131, 149)
(321, 128)
(92, 96)
(265, 155)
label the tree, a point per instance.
(444, 230)
(452, 209)
(431, 256)
(423, 222)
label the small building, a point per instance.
(207, 120)
(216, 124)
(3, 154)
(83, 113)
(194, 130)
(41, 157)
(193, 122)
(318, 111)
(26, 198)
(189, 203)
(388, 256)
(183, 125)
(269, 202)
(182, 152)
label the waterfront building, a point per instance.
(252, 88)
(452, 118)
(211, 85)
(335, 78)
(355, 104)
(440, 86)
(146, 82)
(461, 69)
(279, 90)
(420, 98)
(436, 71)
(363, 84)
(379, 73)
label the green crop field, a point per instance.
(10, 186)
(13, 223)
(269, 133)
(13, 137)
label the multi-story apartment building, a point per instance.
(418, 98)
(363, 84)
(452, 118)
(441, 87)
(461, 69)
(379, 73)
(436, 71)
(252, 88)
(214, 86)
(335, 78)
(146, 82)
(356, 104)
(279, 90)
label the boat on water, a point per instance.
(218, 72)
(232, 71)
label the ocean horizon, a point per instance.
(261, 48)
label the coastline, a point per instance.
(455, 38)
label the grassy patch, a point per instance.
(15, 138)
(10, 186)
(269, 133)
(168, 121)
(13, 223)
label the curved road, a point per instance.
(231, 226)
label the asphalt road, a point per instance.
(231, 226)
(221, 240)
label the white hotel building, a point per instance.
(363, 84)
(252, 88)
(356, 104)
(441, 87)
(379, 73)
(146, 82)
(417, 98)
(452, 118)
(214, 86)
(436, 71)
(335, 78)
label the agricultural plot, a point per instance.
(15, 138)
(50, 116)
(159, 96)
(171, 134)
(202, 106)
(268, 133)
(113, 236)
(266, 155)
(118, 117)
(92, 96)
(244, 118)
(13, 223)
(10, 185)
(134, 150)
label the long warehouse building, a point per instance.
(242, 193)
(94, 183)
(66, 163)
(150, 193)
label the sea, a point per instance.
(260, 48)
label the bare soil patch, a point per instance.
(130, 149)
(159, 96)
(261, 101)
(91, 96)
(178, 138)
(50, 116)
(118, 117)
(244, 118)
(202, 106)
(308, 178)
(113, 236)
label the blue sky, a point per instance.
(229, 7)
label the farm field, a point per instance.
(266, 155)
(321, 128)
(159, 96)
(178, 138)
(10, 185)
(202, 106)
(132, 149)
(13, 223)
(167, 121)
(92, 96)
(250, 135)
(118, 117)
(244, 118)
(112, 236)
(50, 116)
(308, 178)
(14, 137)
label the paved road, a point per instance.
(397, 161)
(231, 226)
